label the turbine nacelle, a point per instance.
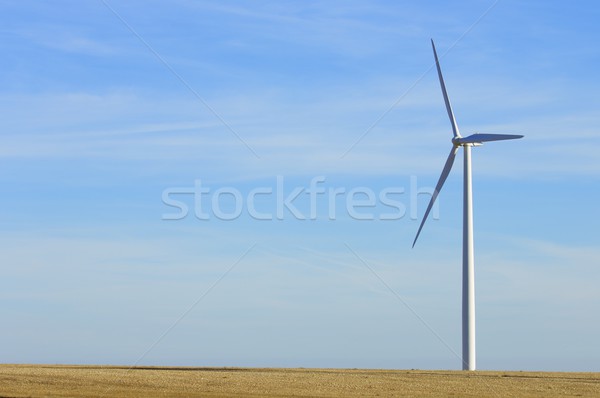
(456, 142)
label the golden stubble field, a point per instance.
(113, 381)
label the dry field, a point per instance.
(112, 381)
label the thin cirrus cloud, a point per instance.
(121, 125)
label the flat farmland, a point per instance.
(114, 381)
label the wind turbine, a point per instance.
(468, 280)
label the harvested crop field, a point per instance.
(111, 381)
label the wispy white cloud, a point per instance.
(290, 138)
(68, 39)
(81, 45)
(347, 28)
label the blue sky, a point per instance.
(97, 122)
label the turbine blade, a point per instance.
(438, 187)
(479, 138)
(446, 100)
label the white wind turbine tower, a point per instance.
(468, 280)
